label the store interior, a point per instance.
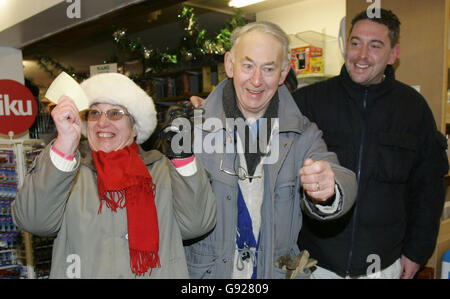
(159, 44)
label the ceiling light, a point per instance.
(242, 3)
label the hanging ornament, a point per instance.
(194, 46)
(147, 52)
(186, 54)
(119, 35)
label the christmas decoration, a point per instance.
(194, 47)
(154, 60)
(53, 68)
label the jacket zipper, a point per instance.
(358, 177)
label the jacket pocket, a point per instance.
(286, 214)
(201, 271)
(395, 157)
(201, 260)
(285, 191)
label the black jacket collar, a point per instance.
(356, 91)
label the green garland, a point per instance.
(154, 60)
(194, 48)
(53, 68)
(196, 37)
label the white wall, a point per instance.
(323, 16)
(13, 12)
(11, 64)
(23, 22)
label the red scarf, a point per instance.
(123, 175)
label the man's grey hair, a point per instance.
(266, 27)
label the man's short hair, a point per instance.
(387, 18)
(262, 26)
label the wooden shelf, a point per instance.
(174, 85)
(174, 71)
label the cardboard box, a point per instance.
(307, 60)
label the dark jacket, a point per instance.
(387, 135)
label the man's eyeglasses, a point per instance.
(240, 172)
(111, 114)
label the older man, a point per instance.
(261, 190)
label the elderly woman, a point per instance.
(117, 211)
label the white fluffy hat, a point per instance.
(118, 89)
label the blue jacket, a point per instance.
(213, 256)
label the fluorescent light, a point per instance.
(242, 3)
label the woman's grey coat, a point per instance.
(92, 245)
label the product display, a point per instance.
(13, 250)
(42, 256)
(9, 235)
(307, 60)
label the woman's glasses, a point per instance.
(111, 114)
